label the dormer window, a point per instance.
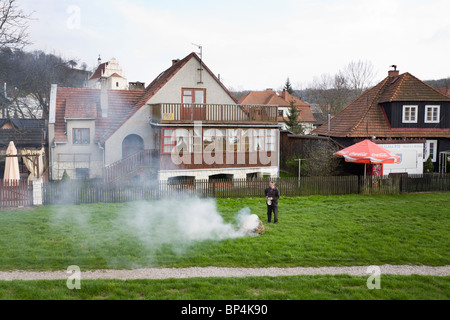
(81, 136)
(409, 114)
(432, 114)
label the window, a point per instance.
(216, 137)
(82, 173)
(238, 139)
(168, 141)
(270, 140)
(193, 96)
(409, 114)
(280, 113)
(432, 114)
(264, 139)
(430, 148)
(259, 139)
(180, 139)
(81, 136)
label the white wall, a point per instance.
(188, 77)
(96, 154)
(138, 124)
(411, 155)
(204, 174)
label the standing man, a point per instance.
(272, 196)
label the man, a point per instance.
(272, 196)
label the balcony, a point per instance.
(169, 113)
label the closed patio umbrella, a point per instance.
(12, 174)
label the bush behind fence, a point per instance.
(77, 192)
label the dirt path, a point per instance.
(198, 272)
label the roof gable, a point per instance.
(163, 78)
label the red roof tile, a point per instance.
(270, 97)
(85, 103)
(99, 72)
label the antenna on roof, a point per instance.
(201, 60)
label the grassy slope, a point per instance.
(313, 231)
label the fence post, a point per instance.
(37, 192)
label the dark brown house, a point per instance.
(399, 108)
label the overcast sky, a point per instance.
(252, 44)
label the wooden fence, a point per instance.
(89, 192)
(15, 194)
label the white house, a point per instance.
(185, 124)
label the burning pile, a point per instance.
(252, 225)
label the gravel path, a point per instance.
(198, 272)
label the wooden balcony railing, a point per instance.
(228, 113)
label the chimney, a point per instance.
(175, 61)
(99, 60)
(52, 106)
(104, 97)
(393, 73)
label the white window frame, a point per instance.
(412, 107)
(426, 152)
(432, 107)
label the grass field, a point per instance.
(313, 231)
(338, 287)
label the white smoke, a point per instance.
(174, 224)
(188, 220)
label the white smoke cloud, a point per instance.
(189, 220)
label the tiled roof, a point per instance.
(268, 97)
(99, 72)
(23, 138)
(25, 123)
(364, 117)
(282, 99)
(406, 87)
(445, 91)
(85, 103)
(79, 108)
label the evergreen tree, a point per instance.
(292, 123)
(428, 167)
(288, 87)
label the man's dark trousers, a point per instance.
(275, 213)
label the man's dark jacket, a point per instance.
(274, 194)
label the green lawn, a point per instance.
(339, 287)
(313, 231)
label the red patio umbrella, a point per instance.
(367, 152)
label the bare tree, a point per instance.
(333, 91)
(29, 76)
(13, 25)
(359, 75)
(340, 89)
